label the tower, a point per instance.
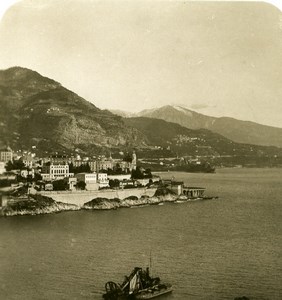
(134, 161)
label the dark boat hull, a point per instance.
(153, 294)
(142, 295)
(137, 286)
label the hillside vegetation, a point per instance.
(37, 111)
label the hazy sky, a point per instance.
(218, 58)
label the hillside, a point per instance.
(38, 111)
(236, 130)
(202, 143)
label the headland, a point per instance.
(53, 202)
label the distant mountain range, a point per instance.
(236, 130)
(200, 142)
(38, 112)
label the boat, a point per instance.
(138, 285)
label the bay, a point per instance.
(214, 249)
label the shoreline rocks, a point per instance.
(38, 204)
(35, 205)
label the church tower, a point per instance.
(134, 161)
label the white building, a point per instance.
(90, 179)
(87, 177)
(104, 164)
(55, 171)
(102, 180)
(134, 160)
(120, 177)
(28, 161)
(26, 173)
(2, 167)
(6, 154)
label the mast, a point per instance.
(150, 264)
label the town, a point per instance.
(77, 180)
(61, 172)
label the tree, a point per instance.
(81, 185)
(71, 168)
(9, 166)
(114, 183)
(37, 177)
(137, 174)
(60, 185)
(127, 157)
(19, 165)
(118, 169)
(84, 168)
(148, 173)
(15, 165)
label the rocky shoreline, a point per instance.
(35, 205)
(104, 204)
(38, 204)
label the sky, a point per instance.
(217, 58)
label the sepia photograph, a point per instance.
(140, 150)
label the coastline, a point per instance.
(38, 204)
(80, 198)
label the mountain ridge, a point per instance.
(38, 111)
(237, 130)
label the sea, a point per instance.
(213, 249)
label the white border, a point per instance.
(6, 4)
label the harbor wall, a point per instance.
(81, 197)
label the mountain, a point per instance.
(236, 130)
(203, 143)
(38, 111)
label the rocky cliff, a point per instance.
(38, 111)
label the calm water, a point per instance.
(215, 249)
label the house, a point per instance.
(25, 173)
(6, 154)
(102, 180)
(59, 159)
(93, 165)
(104, 164)
(128, 183)
(2, 167)
(87, 177)
(90, 180)
(27, 160)
(71, 182)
